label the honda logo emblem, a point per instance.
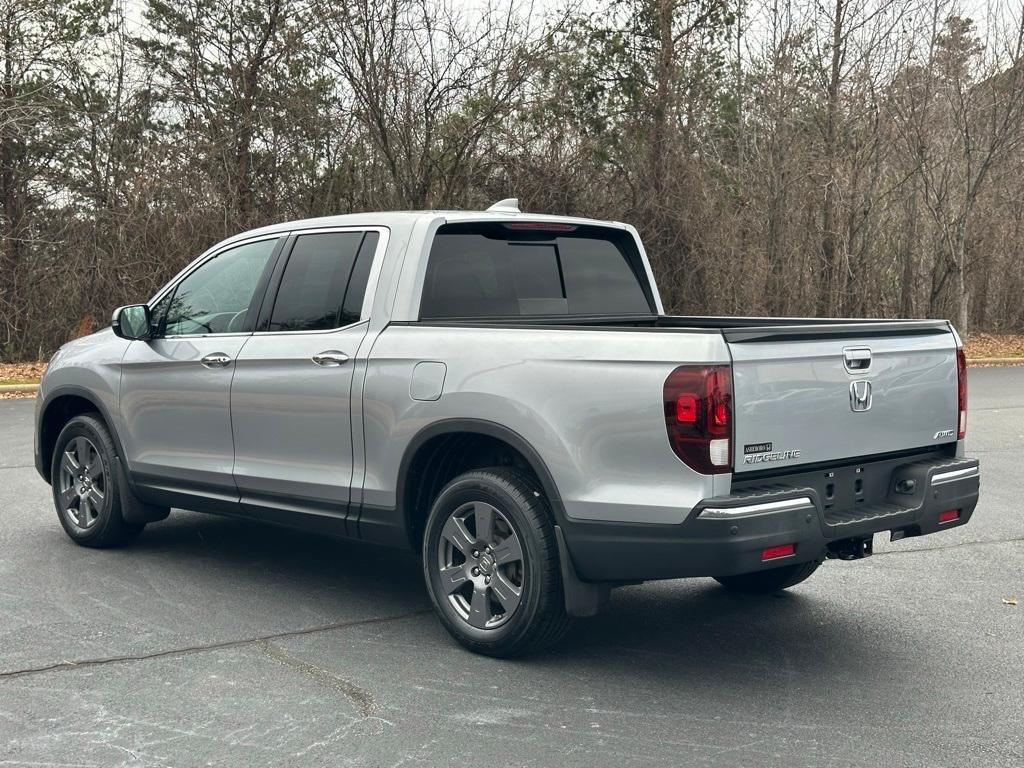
(860, 395)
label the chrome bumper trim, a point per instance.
(725, 513)
(953, 475)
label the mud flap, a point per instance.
(133, 510)
(582, 598)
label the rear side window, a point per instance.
(324, 281)
(356, 291)
(492, 270)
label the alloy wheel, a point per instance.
(480, 559)
(83, 483)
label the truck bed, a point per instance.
(794, 391)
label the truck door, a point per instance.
(291, 398)
(175, 387)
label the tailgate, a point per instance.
(821, 393)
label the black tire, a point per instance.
(539, 619)
(106, 526)
(772, 580)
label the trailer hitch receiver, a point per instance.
(851, 549)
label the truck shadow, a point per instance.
(690, 631)
(697, 634)
(288, 572)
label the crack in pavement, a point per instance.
(360, 697)
(948, 546)
(63, 666)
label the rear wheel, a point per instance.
(772, 580)
(490, 561)
(86, 485)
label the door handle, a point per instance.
(216, 360)
(330, 358)
(857, 358)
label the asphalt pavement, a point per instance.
(219, 642)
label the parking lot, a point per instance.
(213, 641)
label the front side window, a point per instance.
(324, 281)
(216, 297)
(497, 270)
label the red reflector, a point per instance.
(686, 409)
(774, 553)
(949, 516)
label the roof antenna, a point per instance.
(509, 205)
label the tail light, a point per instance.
(698, 416)
(961, 384)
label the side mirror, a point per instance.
(131, 322)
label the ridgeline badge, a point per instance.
(762, 453)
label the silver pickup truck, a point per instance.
(503, 392)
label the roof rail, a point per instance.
(509, 205)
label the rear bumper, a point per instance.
(726, 535)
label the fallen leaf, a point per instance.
(994, 345)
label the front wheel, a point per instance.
(86, 485)
(490, 561)
(772, 580)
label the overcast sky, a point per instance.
(979, 10)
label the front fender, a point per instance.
(88, 369)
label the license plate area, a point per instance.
(857, 490)
(846, 488)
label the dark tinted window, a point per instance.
(490, 271)
(320, 270)
(360, 275)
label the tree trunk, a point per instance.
(907, 255)
(830, 253)
(963, 295)
(660, 111)
(10, 193)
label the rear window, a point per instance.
(491, 270)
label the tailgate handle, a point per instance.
(857, 359)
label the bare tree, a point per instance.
(779, 156)
(962, 113)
